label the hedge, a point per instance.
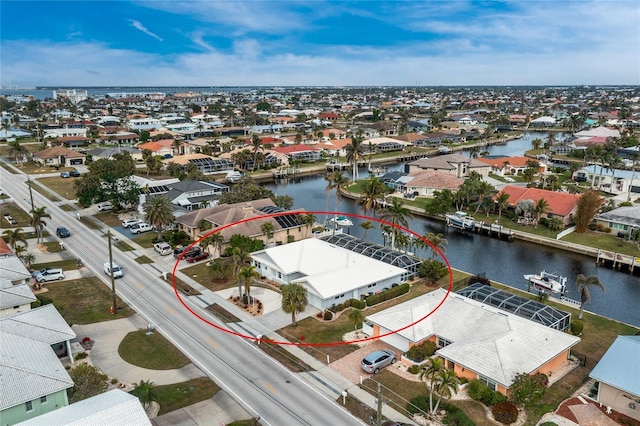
(385, 295)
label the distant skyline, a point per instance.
(319, 43)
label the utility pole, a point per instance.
(113, 281)
(379, 406)
(29, 183)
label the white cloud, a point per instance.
(138, 26)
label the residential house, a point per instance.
(415, 139)
(114, 407)
(623, 221)
(455, 164)
(162, 147)
(11, 267)
(476, 341)
(613, 181)
(330, 274)
(618, 375)
(108, 153)
(14, 298)
(426, 182)
(59, 156)
(503, 166)
(120, 138)
(335, 147)
(206, 164)
(192, 195)
(73, 141)
(300, 152)
(561, 205)
(385, 144)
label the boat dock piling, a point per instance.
(617, 260)
(492, 230)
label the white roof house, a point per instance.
(472, 336)
(12, 268)
(110, 408)
(330, 274)
(599, 132)
(14, 298)
(44, 324)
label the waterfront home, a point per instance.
(384, 144)
(618, 375)
(475, 340)
(426, 182)
(300, 152)
(561, 205)
(59, 156)
(457, 165)
(330, 274)
(622, 221)
(545, 121)
(611, 180)
(206, 164)
(504, 166)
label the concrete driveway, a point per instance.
(349, 366)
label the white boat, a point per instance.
(546, 281)
(340, 221)
(460, 220)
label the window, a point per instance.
(443, 342)
(43, 399)
(487, 381)
(29, 406)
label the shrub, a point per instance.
(496, 398)
(114, 381)
(505, 412)
(387, 294)
(414, 369)
(419, 353)
(527, 389)
(358, 304)
(576, 327)
(455, 416)
(548, 424)
(82, 355)
(419, 405)
(328, 315)
(340, 307)
(477, 390)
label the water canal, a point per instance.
(501, 261)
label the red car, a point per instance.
(195, 257)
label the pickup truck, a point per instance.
(140, 228)
(163, 248)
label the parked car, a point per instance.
(178, 252)
(64, 175)
(162, 248)
(62, 232)
(377, 360)
(105, 206)
(130, 222)
(51, 274)
(196, 257)
(117, 271)
(139, 228)
(41, 271)
(74, 173)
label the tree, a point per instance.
(283, 201)
(588, 205)
(308, 219)
(88, 381)
(366, 225)
(528, 389)
(354, 154)
(396, 214)
(582, 284)
(256, 143)
(438, 241)
(37, 221)
(267, 229)
(502, 202)
(432, 270)
(239, 259)
(246, 276)
(146, 393)
(441, 202)
(428, 373)
(294, 300)
(373, 190)
(158, 213)
(219, 269)
(338, 182)
(541, 207)
(356, 317)
(28, 259)
(217, 240)
(16, 151)
(446, 384)
(14, 236)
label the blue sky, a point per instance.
(284, 43)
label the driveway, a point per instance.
(349, 366)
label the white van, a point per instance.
(117, 271)
(105, 206)
(50, 274)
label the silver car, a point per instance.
(373, 362)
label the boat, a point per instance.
(340, 221)
(461, 220)
(546, 281)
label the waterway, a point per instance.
(502, 261)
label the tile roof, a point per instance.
(58, 151)
(560, 203)
(492, 342)
(434, 179)
(620, 365)
(12, 268)
(447, 162)
(14, 295)
(43, 324)
(290, 149)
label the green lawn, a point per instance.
(151, 351)
(145, 239)
(66, 264)
(61, 186)
(84, 301)
(607, 242)
(180, 395)
(20, 216)
(143, 259)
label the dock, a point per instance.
(617, 260)
(334, 166)
(489, 229)
(286, 172)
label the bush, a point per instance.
(414, 369)
(505, 412)
(387, 294)
(576, 327)
(418, 405)
(548, 424)
(477, 390)
(358, 304)
(82, 355)
(419, 353)
(454, 416)
(328, 315)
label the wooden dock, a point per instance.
(333, 166)
(491, 230)
(617, 260)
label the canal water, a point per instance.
(501, 261)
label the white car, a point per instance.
(50, 274)
(141, 227)
(163, 248)
(130, 222)
(104, 207)
(117, 271)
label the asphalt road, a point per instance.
(262, 386)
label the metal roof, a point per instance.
(520, 306)
(620, 365)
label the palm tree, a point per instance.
(356, 317)
(540, 208)
(308, 219)
(15, 236)
(438, 241)
(354, 154)
(28, 259)
(158, 213)
(502, 201)
(366, 225)
(239, 259)
(294, 300)
(177, 145)
(267, 229)
(256, 143)
(37, 221)
(145, 391)
(396, 214)
(16, 150)
(219, 268)
(374, 189)
(428, 373)
(217, 240)
(582, 284)
(246, 276)
(446, 385)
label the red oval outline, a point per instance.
(321, 344)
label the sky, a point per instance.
(319, 43)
